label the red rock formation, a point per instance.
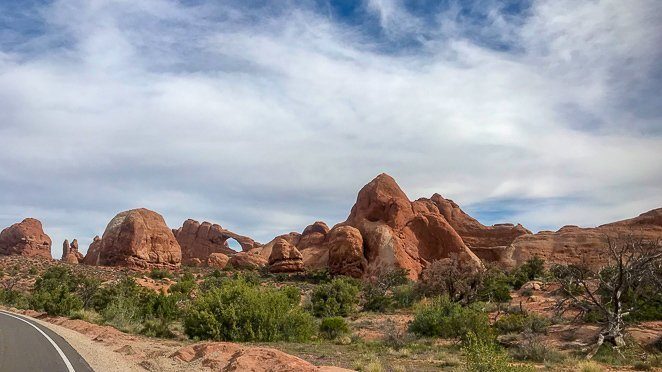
(217, 260)
(200, 240)
(313, 235)
(576, 245)
(231, 357)
(93, 252)
(250, 260)
(70, 252)
(345, 252)
(473, 233)
(285, 258)
(139, 238)
(26, 238)
(399, 233)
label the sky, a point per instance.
(264, 116)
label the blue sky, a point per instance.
(266, 116)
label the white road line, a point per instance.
(70, 368)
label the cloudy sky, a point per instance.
(264, 116)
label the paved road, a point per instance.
(26, 346)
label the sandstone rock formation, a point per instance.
(250, 260)
(70, 253)
(345, 252)
(226, 356)
(200, 240)
(313, 235)
(576, 245)
(285, 258)
(399, 233)
(473, 233)
(217, 260)
(26, 238)
(93, 252)
(137, 238)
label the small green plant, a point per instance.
(484, 355)
(589, 366)
(337, 298)
(519, 322)
(533, 349)
(333, 327)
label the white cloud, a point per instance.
(265, 126)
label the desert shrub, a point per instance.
(12, 297)
(184, 288)
(292, 293)
(336, 298)
(55, 292)
(495, 286)
(484, 355)
(315, 276)
(520, 322)
(380, 294)
(240, 311)
(123, 313)
(333, 327)
(440, 317)
(589, 366)
(404, 295)
(158, 274)
(450, 278)
(375, 298)
(533, 268)
(533, 349)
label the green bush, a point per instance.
(495, 286)
(450, 278)
(484, 355)
(404, 295)
(158, 274)
(337, 298)
(240, 311)
(533, 349)
(518, 322)
(333, 327)
(14, 298)
(440, 317)
(55, 292)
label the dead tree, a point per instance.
(633, 267)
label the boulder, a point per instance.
(139, 238)
(398, 233)
(70, 253)
(251, 260)
(26, 238)
(285, 257)
(345, 252)
(217, 260)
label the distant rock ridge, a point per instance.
(26, 238)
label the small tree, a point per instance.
(632, 267)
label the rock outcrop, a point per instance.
(473, 233)
(345, 252)
(137, 238)
(200, 240)
(93, 252)
(584, 246)
(217, 260)
(70, 253)
(251, 260)
(26, 238)
(398, 233)
(285, 258)
(231, 357)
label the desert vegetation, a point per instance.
(453, 318)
